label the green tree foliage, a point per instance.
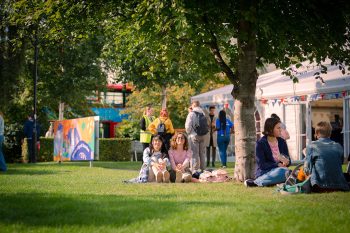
(69, 65)
(238, 36)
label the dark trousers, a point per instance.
(31, 152)
(213, 155)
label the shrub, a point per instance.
(46, 150)
(12, 143)
(110, 149)
(114, 149)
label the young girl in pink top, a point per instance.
(180, 157)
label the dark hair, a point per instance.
(222, 119)
(162, 149)
(212, 107)
(274, 115)
(269, 125)
(173, 141)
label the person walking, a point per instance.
(145, 134)
(224, 128)
(212, 143)
(28, 133)
(197, 127)
(2, 138)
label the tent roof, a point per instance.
(275, 84)
(221, 95)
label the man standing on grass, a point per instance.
(197, 127)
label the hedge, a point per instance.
(115, 149)
(110, 149)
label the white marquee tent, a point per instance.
(300, 105)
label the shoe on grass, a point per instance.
(250, 183)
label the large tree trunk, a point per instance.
(244, 95)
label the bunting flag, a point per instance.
(310, 97)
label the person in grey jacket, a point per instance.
(197, 143)
(324, 159)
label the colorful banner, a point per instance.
(74, 139)
(310, 97)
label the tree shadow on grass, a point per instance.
(35, 209)
(27, 171)
(102, 164)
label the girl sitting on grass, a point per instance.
(180, 156)
(155, 158)
(272, 156)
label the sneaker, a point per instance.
(250, 183)
(159, 177)
(223, 166)
(166, 177)
(178, 177)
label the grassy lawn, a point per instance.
(72, 197)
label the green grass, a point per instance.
(72, 197)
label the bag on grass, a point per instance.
(293, 186)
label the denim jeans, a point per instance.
(223, 142)
(275, 176)
(2, 159)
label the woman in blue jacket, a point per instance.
(223, 127)
(272, 156)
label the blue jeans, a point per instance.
(275, 176)
(223, 142)
(2, 159)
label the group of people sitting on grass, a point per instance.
(323, 162)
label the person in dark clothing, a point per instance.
(272, 156)
(28, 133)
(211, 118)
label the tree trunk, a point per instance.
(244, 96)
(60, 111)
(164, 100)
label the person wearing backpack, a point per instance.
(197, 127)
(224, 128)
(163, 127)
(324, 159)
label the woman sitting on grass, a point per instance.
(156, 159)
(272, 156)
(324, 159)
(180, 157)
